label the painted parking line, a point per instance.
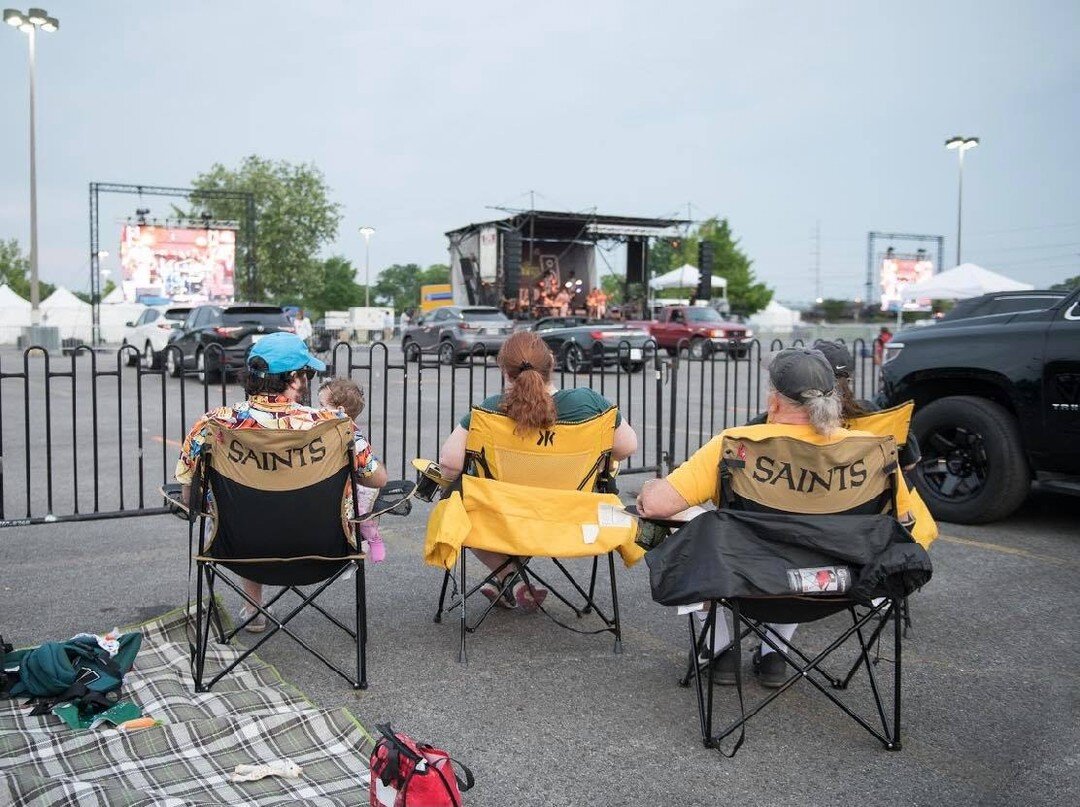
(1008, 550)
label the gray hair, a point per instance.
(822, 410)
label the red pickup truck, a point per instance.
(699, 330)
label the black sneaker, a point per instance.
(770, 669)
(723, 668)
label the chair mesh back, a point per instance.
(567, 456)
(280, 494)
(786, 475)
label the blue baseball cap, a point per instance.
(283, 353)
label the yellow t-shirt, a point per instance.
(696, 479)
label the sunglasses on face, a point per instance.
(307, 372)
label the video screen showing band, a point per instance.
(183, 265)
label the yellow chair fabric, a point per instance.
(531, 495)
(896, 422)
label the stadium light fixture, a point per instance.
(960, 144)
(29, 23)
(367, 232)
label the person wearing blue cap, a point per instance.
(277, 379)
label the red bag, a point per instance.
(405, 773)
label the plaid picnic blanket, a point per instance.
(252, 716)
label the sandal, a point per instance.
(491, 591)
(529, 597)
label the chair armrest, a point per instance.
(393, 499)
(177, 506)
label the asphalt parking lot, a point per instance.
(546, 717)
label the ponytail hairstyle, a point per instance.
(527, 362)
(850, 407)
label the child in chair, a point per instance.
(345, 394)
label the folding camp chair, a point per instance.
(274, 511)
(803, 532)
(566, 457)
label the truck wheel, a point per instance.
(973, 469)
(411, 351)
(447, 355)
(573, 359)
(699, 349)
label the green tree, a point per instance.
(613, 287)
(86, 297)
(1068, 284)
(15, 271)
(338, 290)
(400, 284)
(294, 219)
(744, 292)
(665, 255)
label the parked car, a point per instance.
(997, 402)
(699, 330)
(234, 328)
(580, 343)
(151, 331)
(1004, 302)
(454, 333)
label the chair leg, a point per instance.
(462, 657)
(200, 650)
(614, 597)
(592, 585)
(361, 626)
(897, 653)
(442, 596)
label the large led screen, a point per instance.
(185, 265)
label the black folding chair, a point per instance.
(274, 512)
(762, 560)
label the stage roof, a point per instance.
(550, 224)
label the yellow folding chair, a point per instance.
(543, 493)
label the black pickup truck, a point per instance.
(997, 406)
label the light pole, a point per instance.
(28, 23)
(367, 232)
(960, 144)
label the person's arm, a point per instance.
(452, 454)
(626, 442)
(189, 457)
(370, 473)
(659, 499)
(693, 482)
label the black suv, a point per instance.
(217, 338)
(1005, 302)
(997, 405)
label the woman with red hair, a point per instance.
(533, 403)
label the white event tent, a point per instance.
(685, 277)
(65, 311)
(776, 318)
(14, 315)
(115, 313)
(961, 282)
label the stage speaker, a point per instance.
(511, 244)
(706, 255)
(637, 260)
(472, 282)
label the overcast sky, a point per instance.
(775, 115)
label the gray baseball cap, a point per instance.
(800, 373)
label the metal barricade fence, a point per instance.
(92, 435)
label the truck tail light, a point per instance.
(227, 330)
(468, 326)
